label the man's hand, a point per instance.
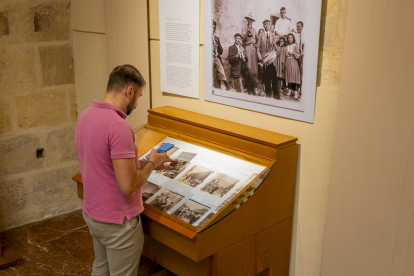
(129, 178)
(159, 160)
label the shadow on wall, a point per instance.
(324, 12)
(295, 227)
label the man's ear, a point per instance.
(129, 92)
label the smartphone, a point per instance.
(165, 147)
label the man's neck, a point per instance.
(110, 99)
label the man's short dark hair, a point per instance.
(266, 20)
(300, 22)
(282, 9)
(123, 76)
(238, 35)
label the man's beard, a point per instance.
(131, 105)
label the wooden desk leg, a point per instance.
(9, 256)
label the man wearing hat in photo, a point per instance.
(238, 65)
(218, 70)
(249, 37)
(265, 45)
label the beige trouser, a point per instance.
(117, 247)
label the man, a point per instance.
(265, 45)
(283, 24)
(112, 175)
(218, 71)
(300, 41)
(238, 65)
(249, 37)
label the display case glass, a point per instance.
(203, 186)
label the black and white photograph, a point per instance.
(186, 156)
(262, 55)
(219, 185)
(166, 200)
(148, 190)
(207, 218)
(195, 176)
(180, 163)
(191, 211)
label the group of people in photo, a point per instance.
(218, 187)
(268, 62)
(189, 215)
(163, 204)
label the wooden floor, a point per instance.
(59, 246)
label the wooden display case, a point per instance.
(252, 233)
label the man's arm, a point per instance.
(277, 28)
(291, 26)
(130, 179)
(259, 46)
(219, 47)
(244, 33)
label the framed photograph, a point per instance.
(191, 211)
(148, 190)
(195, 176)
(262, 56)
(166, 200)
(219, 185)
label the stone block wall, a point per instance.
(37, 111)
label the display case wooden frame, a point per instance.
(247, 238)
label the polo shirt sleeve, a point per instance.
(121, 142)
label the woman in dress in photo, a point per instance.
(292, 72)
(280, 64)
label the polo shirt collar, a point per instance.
(100, 104)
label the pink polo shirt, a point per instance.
(102, 134)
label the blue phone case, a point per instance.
(165, 147)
